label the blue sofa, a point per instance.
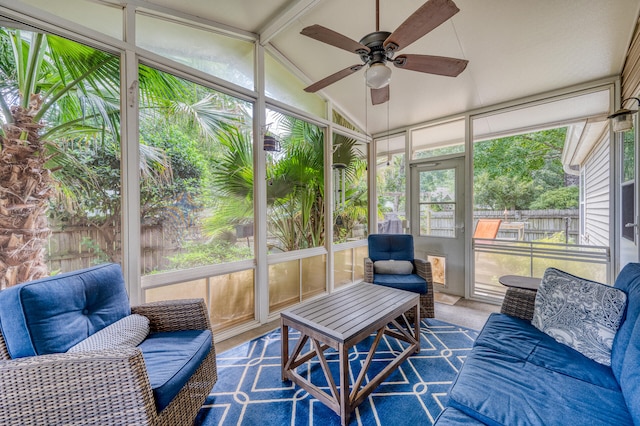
(73, 352)
(518, 375)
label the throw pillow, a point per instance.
(582, 314)
(129, 331)
(400, 267)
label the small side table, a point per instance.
(519, 300)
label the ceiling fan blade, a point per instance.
(440, 65)
(429, 16)
(380, 96)
(333, 78)
(333, 38)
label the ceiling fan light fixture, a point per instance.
(378, 75)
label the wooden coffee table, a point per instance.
(340, 321)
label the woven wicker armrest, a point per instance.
(519, 302)
(175, 315)
(77, 389)
(423, 268)
(368, 270)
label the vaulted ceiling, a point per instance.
(515, 49)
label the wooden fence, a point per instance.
(523, 225)
(76, 247)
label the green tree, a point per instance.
(513, 171)
(503, 192)
(559, 198)
(59, 105)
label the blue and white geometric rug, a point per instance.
(250, 391)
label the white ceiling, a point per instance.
(515, 49)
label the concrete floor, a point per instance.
(466, 313)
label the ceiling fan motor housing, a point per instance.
(377, 53)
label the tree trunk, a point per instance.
(25, 188)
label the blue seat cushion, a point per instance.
(411, 282)
(52, 314)
(171, 359)
(501, 389)
(520, 339)
(451, 416)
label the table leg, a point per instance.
(284, 350)
(416, 328)
(345, 406)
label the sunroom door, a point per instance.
(437, 224)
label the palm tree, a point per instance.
(295, 194)
(43, 78)
(55, 93)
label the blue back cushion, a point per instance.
(52, 314)
(625, 354)
(390, 247)
(629, 281)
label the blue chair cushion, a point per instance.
(501, 389)
(171, 359)
(52, 314)
(411, 282)
(390, 247)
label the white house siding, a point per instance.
(596, 195)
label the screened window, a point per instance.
(225, 57)
(73, 217)
(196, 187)
(295, 184)
(350, 199)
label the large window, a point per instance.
(61, 203)
(222, 56)
(193, 174)
(350, 189)
(391, 176)
(196, 189)
(282, 85)
(295, 184)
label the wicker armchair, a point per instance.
(400, 247)
(104, 387)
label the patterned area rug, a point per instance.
(250, 391)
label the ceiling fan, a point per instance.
(379, 47)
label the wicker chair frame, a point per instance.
(423, 269)
(519, 302)
(107, 387)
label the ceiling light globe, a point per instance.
(378, 75)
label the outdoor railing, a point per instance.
(494, 258)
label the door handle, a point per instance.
(630, 225)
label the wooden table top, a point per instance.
(346, 313)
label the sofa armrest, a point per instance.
(368, 270)
(519, 302)
(175, 315)
(77, 389)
